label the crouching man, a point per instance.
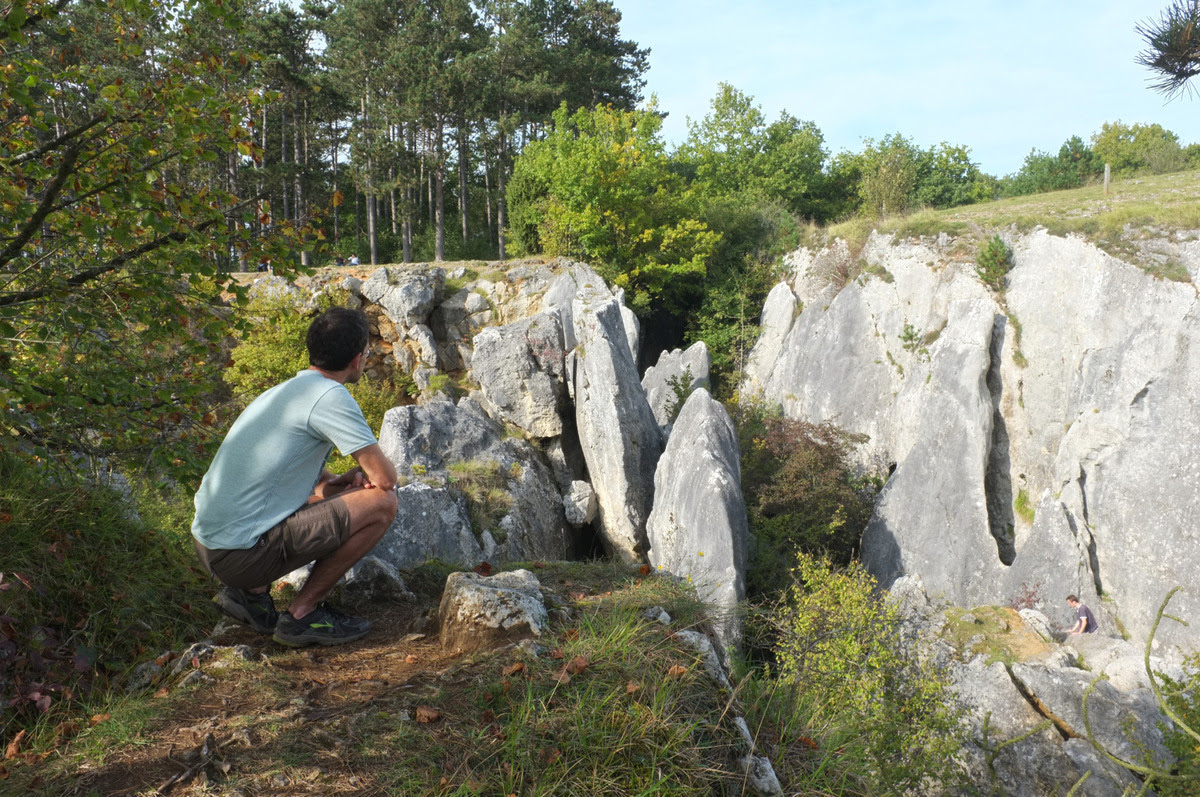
(267, 505)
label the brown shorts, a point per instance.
(312, 532)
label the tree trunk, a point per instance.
(500, 201)
(409, 198)
(462, 178)
(487, 194)
(439, 179)
(283, 160)
(298, 189)
(333, 146)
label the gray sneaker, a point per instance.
(256, 611)
(324, 625)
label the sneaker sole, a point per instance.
(239, 615)
(307, 640)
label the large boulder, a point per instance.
(407, 294)
(478, 611)
(698, 529)
(672, 379)
(1040, 763)
(520, 368)
(432, 523)
(459, 448)
(620, 439)
(1125, 724)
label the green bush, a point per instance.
(845, 675)
(993, 263)
(801, 493)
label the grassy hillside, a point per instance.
(1134, 210)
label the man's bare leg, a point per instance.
(371, 513)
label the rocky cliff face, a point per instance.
(1036, 442)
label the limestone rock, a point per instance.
(1124, 723)
(620, 439)
(580, 503)
(430, 523)
(1038, 765)
(372, 580)
(406, 294)
(278, 289)
(1123, 663)
(779, 312)
(442, 442)
(478, 611)
(946, 540)
(698, 529)
(520, 369)
(686, 369)
(1076, 393)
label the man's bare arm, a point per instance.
(378, 469)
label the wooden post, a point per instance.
(1107, 174)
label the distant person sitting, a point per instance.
(339, 261)
(1086, 624)
(268, 506)
(354, 260)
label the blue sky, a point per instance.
(998, 77)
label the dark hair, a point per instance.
(1072, 599)
(335, 337)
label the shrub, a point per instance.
(993, 263)
(801, 492)
(842, 662)
(271, 350)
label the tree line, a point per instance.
(148, 149)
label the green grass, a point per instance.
(1024, 507)
(1134, 209)
(88, 592)
(485, 486)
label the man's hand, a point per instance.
(331, 485)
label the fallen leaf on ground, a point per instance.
(563, 677)
(66, 730)
(162, 692)
(410, 659)
(487, 716)
(514, 668)
(632, 687)
(572, 633)
(163, 659)
(556, 653)
(644, 570)
(677, 671)
(428, 714)
(807, 742)
(577, 665)
(99, 718)
(14, 747)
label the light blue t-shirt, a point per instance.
(272, 458)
